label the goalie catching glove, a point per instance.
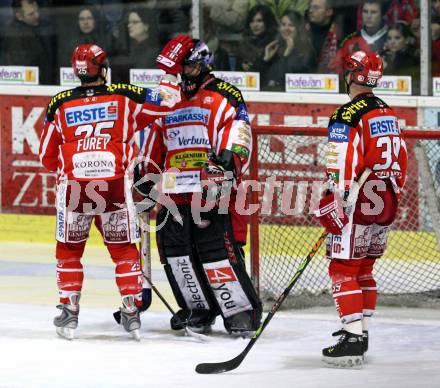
(330, 214)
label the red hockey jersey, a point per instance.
(365, 133)
(215, 119)
(89, 131)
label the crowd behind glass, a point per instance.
(272, 37)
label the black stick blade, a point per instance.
(209, 368)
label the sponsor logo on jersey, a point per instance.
(338, 132)
(240, 150)
(242, 113)
(172, 133)
(92, 113)
(349, 110)
(59, 97)
(192, 141)
(188, 115)
(190, 136)
(189, 159)
(333, 174)
(383, 126)
(230, 89)
(120, 86)
(153, 97)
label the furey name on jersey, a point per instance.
(91, 113)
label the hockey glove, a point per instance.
(331, 215)
(215, 179)
(171, 58)
(146, 300)
(169, 91)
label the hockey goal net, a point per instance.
(288, 163)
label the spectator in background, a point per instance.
(222, 58)
(400, 57)
(371, 37)
(261, 29)
(227, 20)
(402, 11)
(87, 31)
(435, 5)
(280, 7)
(291, 52)
(228, 16)
(415, 31)
(28, 40)
(172, 17)
(435, 37)
(143, 46)
(324, 31)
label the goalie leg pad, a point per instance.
(225, 270)
(347, 292)
(183, 270)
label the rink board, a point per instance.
(41, 229)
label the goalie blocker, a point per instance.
(206, 270)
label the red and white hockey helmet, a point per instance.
(88, 60)
(367, 69)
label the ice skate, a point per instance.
(130, 318)
(241, 325)
(198, 320)
(67, 321)
(347, 353)
(364, 339)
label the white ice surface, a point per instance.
(404, 352)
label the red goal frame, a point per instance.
(257, 130)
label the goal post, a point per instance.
(289, 165)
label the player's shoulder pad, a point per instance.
(350, 113)
(231, 92)
(135, 93)
(57, 100)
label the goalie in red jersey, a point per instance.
(88, 140)
(364, 142)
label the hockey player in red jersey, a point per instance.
(88, 140)
(206, 140)
(364, 140)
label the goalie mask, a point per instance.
(200, 56)
(363, 69)
(88, 60)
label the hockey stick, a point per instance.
(226, 366)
